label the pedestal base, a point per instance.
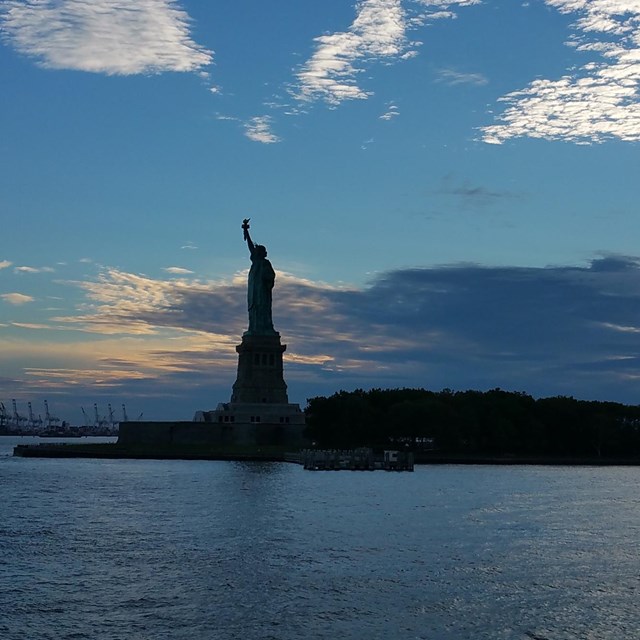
(258, 423)
(260, 371)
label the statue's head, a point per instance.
(261, 251)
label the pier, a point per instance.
(362, 459)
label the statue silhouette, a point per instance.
(261, 280)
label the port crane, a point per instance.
(49, 420)
(112, 419)
(99, 422)
(18, 419)
(33, 422)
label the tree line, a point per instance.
(494, 422)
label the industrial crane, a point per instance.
(112, 420)
(17, 418)
(34, 422)
(49, 420)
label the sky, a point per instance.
(447, 190)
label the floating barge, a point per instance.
(354, 460)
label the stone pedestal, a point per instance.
(260, 373)
(259, 412)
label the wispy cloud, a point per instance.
(598, 101)
(624, 329)
(132, 304)
(27, 269)
(179, 271)
(453, 77)
(143, 367)
(475, 194)
(258, 129)
(30, 325)
(135, 305)
(367, 143)
(104, 36)
(16, 298)
(391, 112)
(432, 10)
(222, 116)
(378, 32)
(442, 5)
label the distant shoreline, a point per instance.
(562, 461)
(115, 451)
(55, 434)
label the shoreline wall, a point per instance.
(210, 433)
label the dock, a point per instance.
(362, 459)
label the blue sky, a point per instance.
(448, 192)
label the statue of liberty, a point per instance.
(261, 280)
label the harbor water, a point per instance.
(195, 550)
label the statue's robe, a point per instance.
(261, 280)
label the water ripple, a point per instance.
(110, 550)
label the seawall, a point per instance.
(211, 434)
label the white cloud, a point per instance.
(115, 362)
(379, 32)
(16, 298)
(367, 143)
(391, 112)
(597, 102)
(5, 263)
(445, 4)
(119, 302)
(622, 328)
(180, 271)
(30, 325)
(126, 303)
(221, 116)
(26, 269)
(258, 129)
(104, 36)
(441, 9)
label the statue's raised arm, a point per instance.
(247, 237)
